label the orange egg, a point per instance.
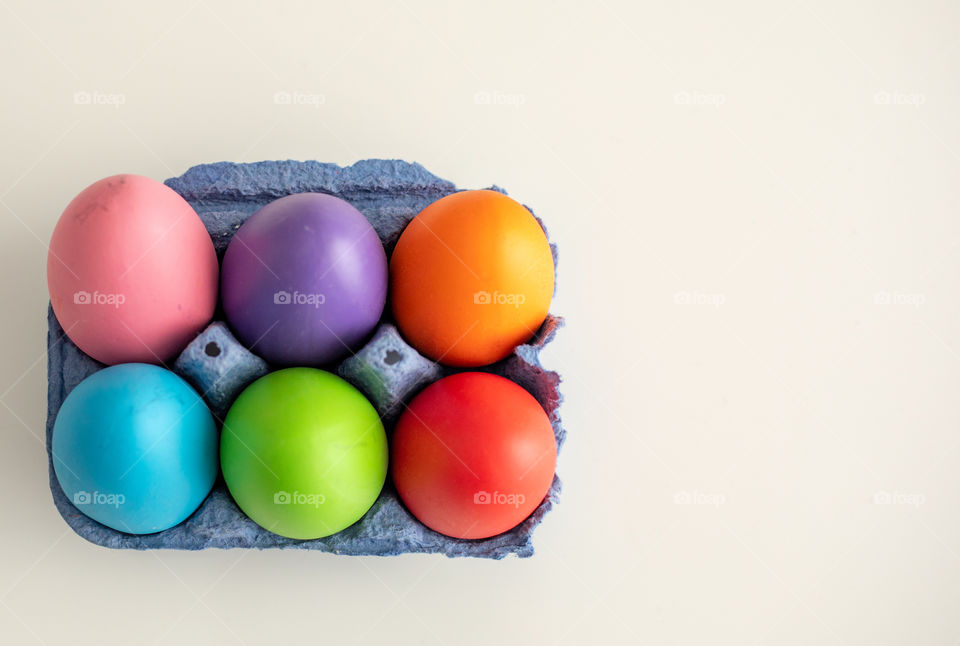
(471, 278)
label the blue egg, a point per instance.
(135, 448)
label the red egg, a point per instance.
(132, 271)
(473, 455)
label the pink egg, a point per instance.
(132, 271)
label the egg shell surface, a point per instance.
(135, 448)
(303, 453)
(304, 280)
(471, 278)
(473, 455)
(131, 270)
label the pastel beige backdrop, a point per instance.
(757, 210)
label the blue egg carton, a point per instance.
(389, 193)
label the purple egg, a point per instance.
(304, 280)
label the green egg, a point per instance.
(303, 453)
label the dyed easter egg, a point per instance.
(135, 448)
(304, 280)
(303, 453)
(131, 270)
(471, 278)
(473, 455)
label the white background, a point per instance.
(757, 210)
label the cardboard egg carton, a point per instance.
(389, 193)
